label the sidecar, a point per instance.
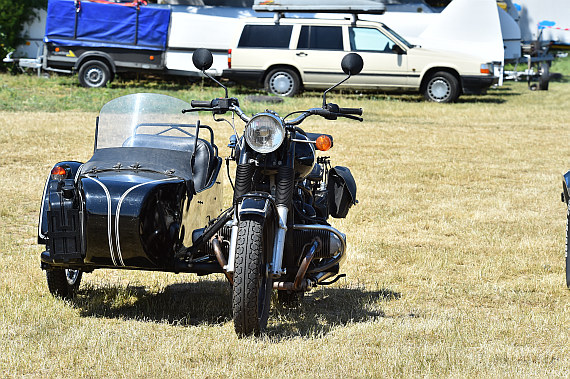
(142, 199)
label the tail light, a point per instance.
(229, 58)
(59, 173)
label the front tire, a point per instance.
(94, 74)
(282, 82)
(567, 252)
(63, 282)
(251, 298)
(441, 87)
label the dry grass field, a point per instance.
(455, 265)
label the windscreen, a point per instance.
(123, 120)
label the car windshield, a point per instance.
(399, 37)
(142, 119)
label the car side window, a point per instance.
(369, 39)
(266, 36)
(320, 37)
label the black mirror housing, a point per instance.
(352, 64)
(398, 50)
(202, 59)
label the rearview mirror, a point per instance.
(202, 59)
(352, 64)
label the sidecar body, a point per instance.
(148, 190)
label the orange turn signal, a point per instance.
(151, 57)
(58, 173)
(323, 143)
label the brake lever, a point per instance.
(351, 117)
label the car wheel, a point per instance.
(93, 74)
(282, 82)
(253, 286)
(442, 87)
(63, 282)
(544, 77)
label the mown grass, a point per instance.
(455, 262)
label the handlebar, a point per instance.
(201, 104)
(355, 111)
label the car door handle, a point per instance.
(301, 54)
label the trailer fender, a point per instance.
(96, 55)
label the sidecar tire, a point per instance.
(251, 297)
(63, 283)
(567, 252)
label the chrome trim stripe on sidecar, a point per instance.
(109, 222)
(118, 214)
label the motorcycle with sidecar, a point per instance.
(150, 198)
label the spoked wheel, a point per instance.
(251, 299)
(63, 282)
(567, 255)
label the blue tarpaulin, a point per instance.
(71, 23)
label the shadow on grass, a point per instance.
(209, 302)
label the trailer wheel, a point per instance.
(544, 77)
(93, 74)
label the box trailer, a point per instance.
(98, 39)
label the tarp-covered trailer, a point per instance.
(100, 39)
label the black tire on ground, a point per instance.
(63, 282)
(441, 87)
(567, 252)
(282, 82)
(544, 78)
(93, 74)
(251, 298)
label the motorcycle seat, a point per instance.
(204, 160)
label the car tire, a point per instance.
(63, 283)
(94, 74)
(441, 87)
(252, 289)
(282, 82)
(544, 78)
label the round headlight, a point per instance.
(264, 133)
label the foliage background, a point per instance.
(13, 16)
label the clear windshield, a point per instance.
(145, 114)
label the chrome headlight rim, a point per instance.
(276, 123)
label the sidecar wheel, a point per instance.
(567, 255)
(251, 298)
(63, 282)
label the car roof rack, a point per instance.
(354, 7)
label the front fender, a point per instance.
(565, 184)
(258, 204)
(43, 222)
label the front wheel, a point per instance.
(63, 282)
(441, 87)
(282, 82)
(251, 298)
(567, 255)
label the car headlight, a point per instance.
(264, 133)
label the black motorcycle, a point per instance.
(150, 199)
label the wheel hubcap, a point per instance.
(439, 89)
(94, 76)
(281, 83)
(71, 276)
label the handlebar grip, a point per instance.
(356, 111)
(201, 104)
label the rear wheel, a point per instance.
(441, 87)
(63, 282)
(251, 299)
(282, 82)
(93, 74)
